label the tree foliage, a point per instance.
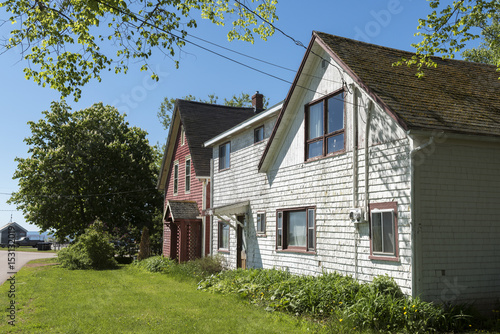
(450, 27)
(87, 165)
(168, 105)
(488, 52)
(67, 42)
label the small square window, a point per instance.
(261, 223)
(296, 229)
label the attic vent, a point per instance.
(324, 63)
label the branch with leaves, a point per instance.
(67, 42)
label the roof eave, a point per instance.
(169, 147)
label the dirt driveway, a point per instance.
(21, 258)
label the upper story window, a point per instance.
(296, 229)
(183, 136)
(258, 134)
(224, 156)
(176, 176)
(384, 231)
(325, 126)
(188, 174)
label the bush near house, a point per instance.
(91, 250)
(343, 303)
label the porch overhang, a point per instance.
(181, 210)
(233, 209)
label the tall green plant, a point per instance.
(92, 250)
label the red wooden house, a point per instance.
(185, 174)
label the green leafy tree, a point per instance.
(450, 27)
(488, 52)
(87, 165)
(168, 105)
(69, 42)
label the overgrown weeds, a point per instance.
(341, 302)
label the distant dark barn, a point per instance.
(19, 232)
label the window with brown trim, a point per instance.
(261, 222)
(384, 231)
(325, 126)
(296, 229)
(223, 239)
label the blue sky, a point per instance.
(389, 23)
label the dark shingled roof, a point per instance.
(203, 121)
(457, 96)
(182, 209)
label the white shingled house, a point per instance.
(367, 170)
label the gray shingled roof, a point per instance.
(457, 96)
(203, 121)
(182, 209)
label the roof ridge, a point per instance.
(405, 51)
(214, 105)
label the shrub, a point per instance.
(91, 250)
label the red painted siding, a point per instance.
(174, 242)
(196, 192)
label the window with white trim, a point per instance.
(224, 156)
(384, 231)
(188, 175)
(325, 126)
(223, 239)
(176, 176)
(296, 229)
(258, 134)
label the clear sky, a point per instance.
(389, 23)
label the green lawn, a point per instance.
(50, 299)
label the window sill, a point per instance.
(384, 258)
(223, 170)
(299, 251)
(261, 235)
(326, 156)
(224, 251)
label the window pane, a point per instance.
(188, 175)
(279, 231)
(259, 134)
(297, 228)
(315, 121)
(176, 177)
(335, 114)
(388, 229)
(261, 225)
(335, 143)
(223, 236)
(224, 155)
(310, 229)
(315, 149)
(376, 232)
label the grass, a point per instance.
(130, 300)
